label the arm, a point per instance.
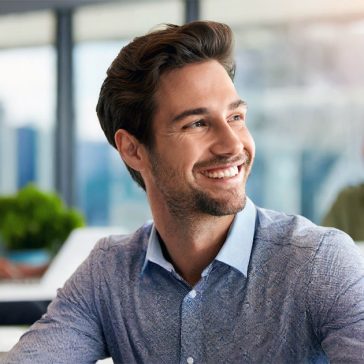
(336, 298)
(70, 331)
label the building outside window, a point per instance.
(105, 191)
(27, 101)
(300, 69)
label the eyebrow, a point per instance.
(203, 110)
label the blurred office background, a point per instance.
(299, 66)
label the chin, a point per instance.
(216, 207)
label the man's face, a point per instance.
(203, 151)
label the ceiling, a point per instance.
(17, 6)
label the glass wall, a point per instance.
(299, 68)
(304, 84)
(106, 193)
(27, 101)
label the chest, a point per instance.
(225, 318)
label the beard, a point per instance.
(208, 205)
(185, 201)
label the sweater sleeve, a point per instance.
(336, 298)
(70, 331)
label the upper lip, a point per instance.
(222, 166)
(223, 163)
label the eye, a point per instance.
(195, 125)
(238, 119)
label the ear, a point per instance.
(130, 149)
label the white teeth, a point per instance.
(223, 173)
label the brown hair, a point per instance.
(126, 98)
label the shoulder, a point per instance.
(296, 239)
(285, 229)
(302, 237)
(125, 243)
(306, 254)
(120, 252)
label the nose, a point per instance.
(227, 140)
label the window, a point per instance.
(27, 101)
(303, 81)
(106, 193)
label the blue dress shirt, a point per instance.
(281, 290)
(235, 251)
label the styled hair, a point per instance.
(126, 99)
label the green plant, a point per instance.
(33, 219)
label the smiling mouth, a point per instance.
(222, 172)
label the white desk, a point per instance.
(73, 252)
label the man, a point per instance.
(214, 279)
(347, 211)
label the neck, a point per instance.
(192, 242)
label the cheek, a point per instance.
(180, 153)
(187, 152)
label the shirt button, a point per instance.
(190, 360)
(193, 294)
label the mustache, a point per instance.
(242, 158)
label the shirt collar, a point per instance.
(238, 244)
(154, 252)
(235, 251)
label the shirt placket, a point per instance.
(191, 330)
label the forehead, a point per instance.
(205, 84)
